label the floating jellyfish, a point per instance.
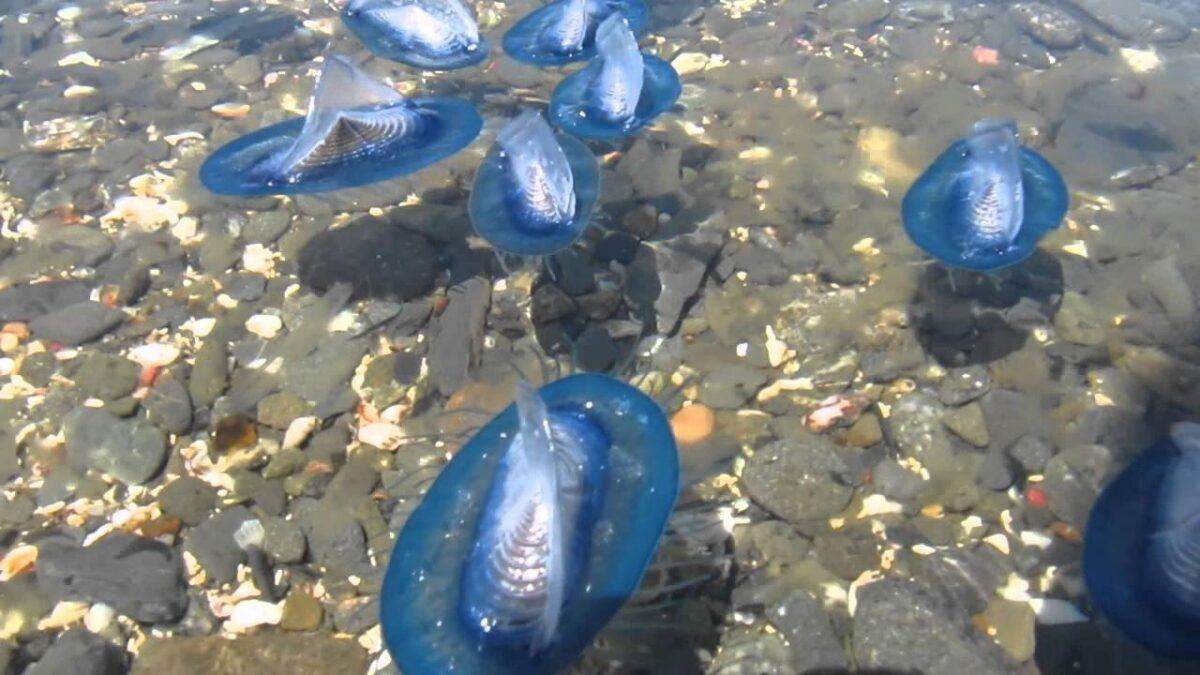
(534, 535)
(536, 189)
(357, 131)
(564, 31)
(1141, 556)
(619, 91)
(986, 201)
(431, 34)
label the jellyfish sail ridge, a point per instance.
(566, 30)
(435, 27)
(541, 187)
(990, 188)
(532, 539)
(350, 117)
(614, 92)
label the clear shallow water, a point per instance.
(986, 413)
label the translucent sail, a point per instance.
(350, 115)
(992, 193)
(437, 27)
(541, 187)
(565, 31)
(614, 92)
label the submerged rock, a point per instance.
(798, 479)
(131, 450)
(261, 654)
(80, 652)
(77, 324)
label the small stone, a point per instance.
(252, 613)
(600, 305)
(665, 275)
(213, 545)
(278, 410)
(154, 355)
(264, 653)
(814, 644)
(1032, 453)
(334, 536)
(595, 350)
(1073, 479)
(893, 480)
(382, 435)
(24, 302)
(234, 433)
(138, 577)
(994, 472)
(550, 303)
(968, 424)
(848, 552)
(731, 386)
(244, 71)
(79, 652)
(266, 326)
(106, 377)
(798, 479)
(21, 606)
(210, 373)
(693, 423)
(1013, 624)
(77, 324)
(131, 450)
(1077, 322)
(864, 433)
(283, 540)
(1047, 24)
(458, 336)
(963, 385)
(168, 404)
(301, 612)
(189, 499)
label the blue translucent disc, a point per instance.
(238, 167)
(387, 40)
(932, 209)
(523, 41)
(422, 623)
(1114, 552)
(660, 90)
(494, 220)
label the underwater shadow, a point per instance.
(966, 318)
(375, 257)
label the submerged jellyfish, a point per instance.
(564, 31)
(534, 534)
(358, 130)
(535, 190)
(432, 34)
(619, 92)
(986, 201)
(1141, 556)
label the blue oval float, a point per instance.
(429, 34)
(535, 191)
(357, 131)
(1141, 547)
(986, 201)
(478, 580)
(564, 31)
(620, 91)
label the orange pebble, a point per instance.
(17, 560)
(693, 423)
(17, 328)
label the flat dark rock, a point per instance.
(131, 450)
(78, 323)
(80, 652)
(214, 547)
(29, 301)
(139, 577)
(798, 479)
(459, 333)
(378, 259)
(261, 654)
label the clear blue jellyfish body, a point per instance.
(620, 91)
(1141, 556)
(564, 31)
(986, 201)
(536, 189)
(534, 535)
(429, 34)
(358, 130)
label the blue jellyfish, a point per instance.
(1141, 554)
(619, 91)
(986, 201)
(536, 189)
(534, 534)
(430, 34)
(564, 31)
(358, 130)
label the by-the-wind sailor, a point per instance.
(619, 91)
(536, 189)
(985, 201)
(1141, 555)
(564, 31)
(431, 34)
(535, 533)
(358, 130)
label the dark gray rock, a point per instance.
(802, 621)
(364, 254)
(1001, 407)
(595, 349)
(896, 482)
(80, 652)
(798, 479)
(321, 375)
(139, 577)
(550, 303)
(745, 651)
(264, 227)
(77, 324)
(1073, 479)
(356, 616)
(268, 495)
(106, 376)
(133, 451)
(210, 372)
(213, 545)
(1031, 452)
(25, 302)
(265, 653)
(355, 480)
(283, 540)
(891, 613)
(189, 499)
(665, 275)
(995, 472)
(1135, 20)
(963, 385)
(731, 386)
(848, 552)
(1047, 24)
(334, 537)
(169, 405)
(458, 334)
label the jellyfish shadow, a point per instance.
(377, 258)
(966, 318)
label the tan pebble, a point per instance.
(154, 355)
(64, 614)
(383, 435)
(257, 258)
(18, 328)
(9, 342)
(933, 510)
(298, 431)
(99, 617)
(251, 613)
(17, 560)
(693, 424)
(230, 111)
(266, 326)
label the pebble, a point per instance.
(1072, 481)
(730, 387)
(803, 622)
(213, 545)
(1011, 624)
(1031, 452)
(893, 480)
(24, 302)
(693, 424)
(77, 324)
(968, 424)
(154, 355)
(550, 303)
(264, 653)
(253, 613)
(458, 334)
(210, 373)
(266, 326)
(106, 376)
(864, 433)
(963, 385)
(595, 349)
(301, 612)
(665, 275)
(382, 435)
(169, 405)
(278, 410)
(138, 577)
(1047, 24)
(132, 451)
(798, 479)
(283, 540)
(189, 499)
(79, 652)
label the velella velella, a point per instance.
(430, 34)
(986, 201)
(358, 130)
(619, 91)
(564, 31)
(535, 533)
(1141, 557)
(536, 189)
